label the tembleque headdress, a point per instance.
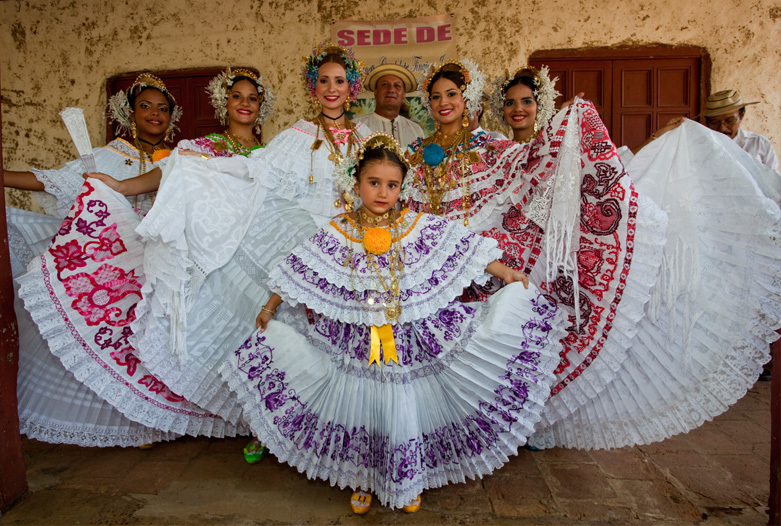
(219, 89)
(119, 107)
(544, 93)
(472, 89)
(345, 173)
(353, 68)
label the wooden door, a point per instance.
(635, 90)
(650, 92)
(13, 482)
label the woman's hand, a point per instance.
(105, 179)
(261, 322)
(267, 312)
(671, 125)
(506, 274)
(567, 103)
(516, 275)
(192, 152)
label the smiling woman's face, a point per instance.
(447, 101)
(332, 87)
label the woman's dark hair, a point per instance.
(232, 82)
(456, 77)
(526, 80)
(379, 155)
(133, 95)
(332, 57)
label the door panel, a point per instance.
(634, 90)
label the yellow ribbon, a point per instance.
(383, 335)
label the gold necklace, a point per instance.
(439, 181)
(335, 154)
(390, 296)
(375, 221)
(235, 142)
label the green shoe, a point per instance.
(254, 452)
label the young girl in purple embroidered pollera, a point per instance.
(370, 375)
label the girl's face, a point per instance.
(332, 87)
(378, 187)
(520, 108)
(447, 101)
(152, 115)
(243, 103)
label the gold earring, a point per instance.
(316, 106)
(169, 135)
(465, 119)
(437, 125)
(536, 127)
(133, 130)
(347, 105)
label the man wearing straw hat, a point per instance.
(724, 112)
(390, 84)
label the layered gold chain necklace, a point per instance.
(380, 241)
(335, 154)
(439, 169)
(234, 141)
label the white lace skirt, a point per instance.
(471, 383)
(53, 405)
(81, 292)
(713, 310)
(220, 312)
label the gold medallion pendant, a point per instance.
(392, 313)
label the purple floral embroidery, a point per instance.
(448, 445)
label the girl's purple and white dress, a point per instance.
(466, 392)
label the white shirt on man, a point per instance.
(403, 129)
(758, 146)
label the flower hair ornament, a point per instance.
(119, 108)
(219, 89)
(345, 173)
(544, 92)
(472, 90)
(353, 68)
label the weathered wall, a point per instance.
(57, 53)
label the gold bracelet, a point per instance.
(272, 312)
(653, 136)
(204, 156)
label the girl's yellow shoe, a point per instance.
(413, 505)
(361, 502)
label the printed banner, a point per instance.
(415, 43)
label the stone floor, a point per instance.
(717, 474)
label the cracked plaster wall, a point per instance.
(58, 53)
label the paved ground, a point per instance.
(717, 474)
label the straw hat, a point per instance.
(724, 102)
(406, 76)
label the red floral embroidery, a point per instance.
(126, 358)
(109, 244)
(96, 295)
(78, 206)
(156, 386)
(68, 256)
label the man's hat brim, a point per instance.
(406, 76)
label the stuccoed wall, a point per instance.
(57, 53)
